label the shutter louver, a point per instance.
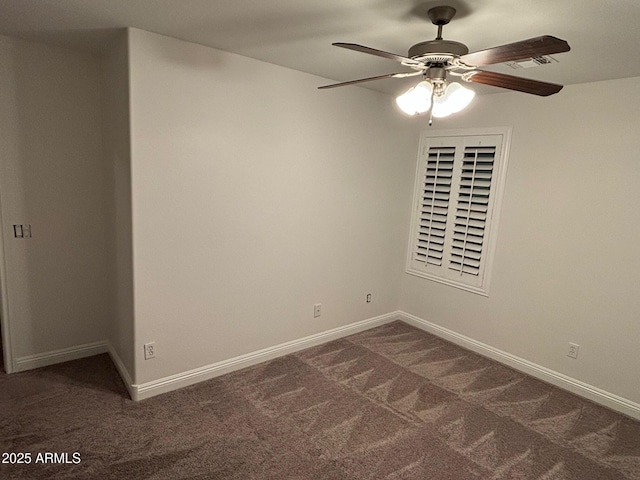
(471, 209)
(434, 205)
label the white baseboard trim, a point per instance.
(173, 382)
(122, 370)
(30, 362)
(565, 382)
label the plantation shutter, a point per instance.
(472, 209)
(457, 183)
(434, 205)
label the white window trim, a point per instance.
(496, 204)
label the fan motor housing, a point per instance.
(438, 51)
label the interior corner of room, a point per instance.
(188, 229)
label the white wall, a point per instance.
(567, 265)
(117, 151)
(51, 176)
(255, 196)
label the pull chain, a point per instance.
(431, 109)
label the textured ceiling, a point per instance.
(604, 35)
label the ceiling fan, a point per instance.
(437, 60)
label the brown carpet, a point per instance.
(390, 403)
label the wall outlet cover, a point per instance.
(149, 350)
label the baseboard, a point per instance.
(75, 353)
(122, 370)
(565, 382)
(30, 362)
(173, 382)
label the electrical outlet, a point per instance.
(368, 298)
(149, 350)
(573, 350)
(317, 310)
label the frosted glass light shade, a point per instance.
(455, 98)
(417, 99)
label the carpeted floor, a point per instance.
(390, 403)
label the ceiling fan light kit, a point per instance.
(436, 60)
(445, 99)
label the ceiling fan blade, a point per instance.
(369, 79)
(510, 82)
(379, 53)
(533, 47)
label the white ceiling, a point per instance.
(604, 35)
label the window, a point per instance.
(459, 181)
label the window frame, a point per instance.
(498, 180)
